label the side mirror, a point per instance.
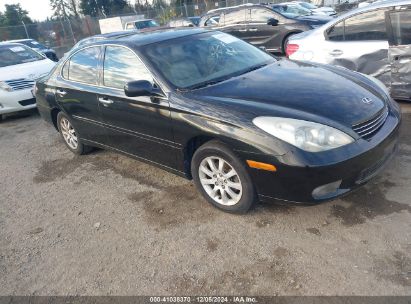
(272, 21)
(141, 88)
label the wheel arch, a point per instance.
(191, 147)
(54, 113)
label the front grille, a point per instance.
(368, 128)
(20, 84)
(27, 102)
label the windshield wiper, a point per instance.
(215, 81)
(253, 68)
(206, 83)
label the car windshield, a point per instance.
(17, 54)
(145, 24)
(33, 44)
(204, 59)
(292, 10)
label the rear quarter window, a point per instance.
(401, 27)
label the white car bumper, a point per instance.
(16, 100)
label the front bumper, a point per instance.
(15, 101)
(299, 174)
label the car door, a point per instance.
(234, 23)
(360, 43)
(76, 93)
(140, 126)
(400, 52)
(259, 33)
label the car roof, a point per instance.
(371, 7)
(113, 34)
(20, 40)
(144, 38)
(139, 20)
(9, 44)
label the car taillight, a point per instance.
(291, 49)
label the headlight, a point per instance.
(4, 86)
(306, 135)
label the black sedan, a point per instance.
(261, 25)
(208, 106)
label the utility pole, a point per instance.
(25, 29)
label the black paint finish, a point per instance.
(166, 130)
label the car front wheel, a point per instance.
(222, 178)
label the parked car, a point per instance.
(37, 46)
(195, 20)
(209, 20)
(261, 26)
(209, 106)
(20, 66)
(182, 22)
(297, 12)
(374, 40)
(141, 24)
(326, 10)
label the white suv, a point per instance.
(20, 67)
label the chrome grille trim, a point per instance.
(20, 84)
(368, 128)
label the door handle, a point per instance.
(242, 30)
(61, 92)
(105, 100)
(253, 30)
(336, 52)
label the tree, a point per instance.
(103, 7)
(15, 15)
(73, 4)
(2, 19)
(61, 8)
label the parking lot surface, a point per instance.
(105, 224)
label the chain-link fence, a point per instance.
(61, 35)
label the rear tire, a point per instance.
(70, 135)
(222, 178)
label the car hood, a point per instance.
(315, 19)
(299, 90)
(29, 70)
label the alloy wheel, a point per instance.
(220, 180)
(69, 134)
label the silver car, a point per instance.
(373, 40)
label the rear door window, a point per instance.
(401, 27)
(83, 66)
(260, 15)
(366, 26)
(235, 17)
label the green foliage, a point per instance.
(104, 7)
(14, 15)
(63, 8)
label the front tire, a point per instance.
(70, 135)
(222, 178)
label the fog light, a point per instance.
(327, 190)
